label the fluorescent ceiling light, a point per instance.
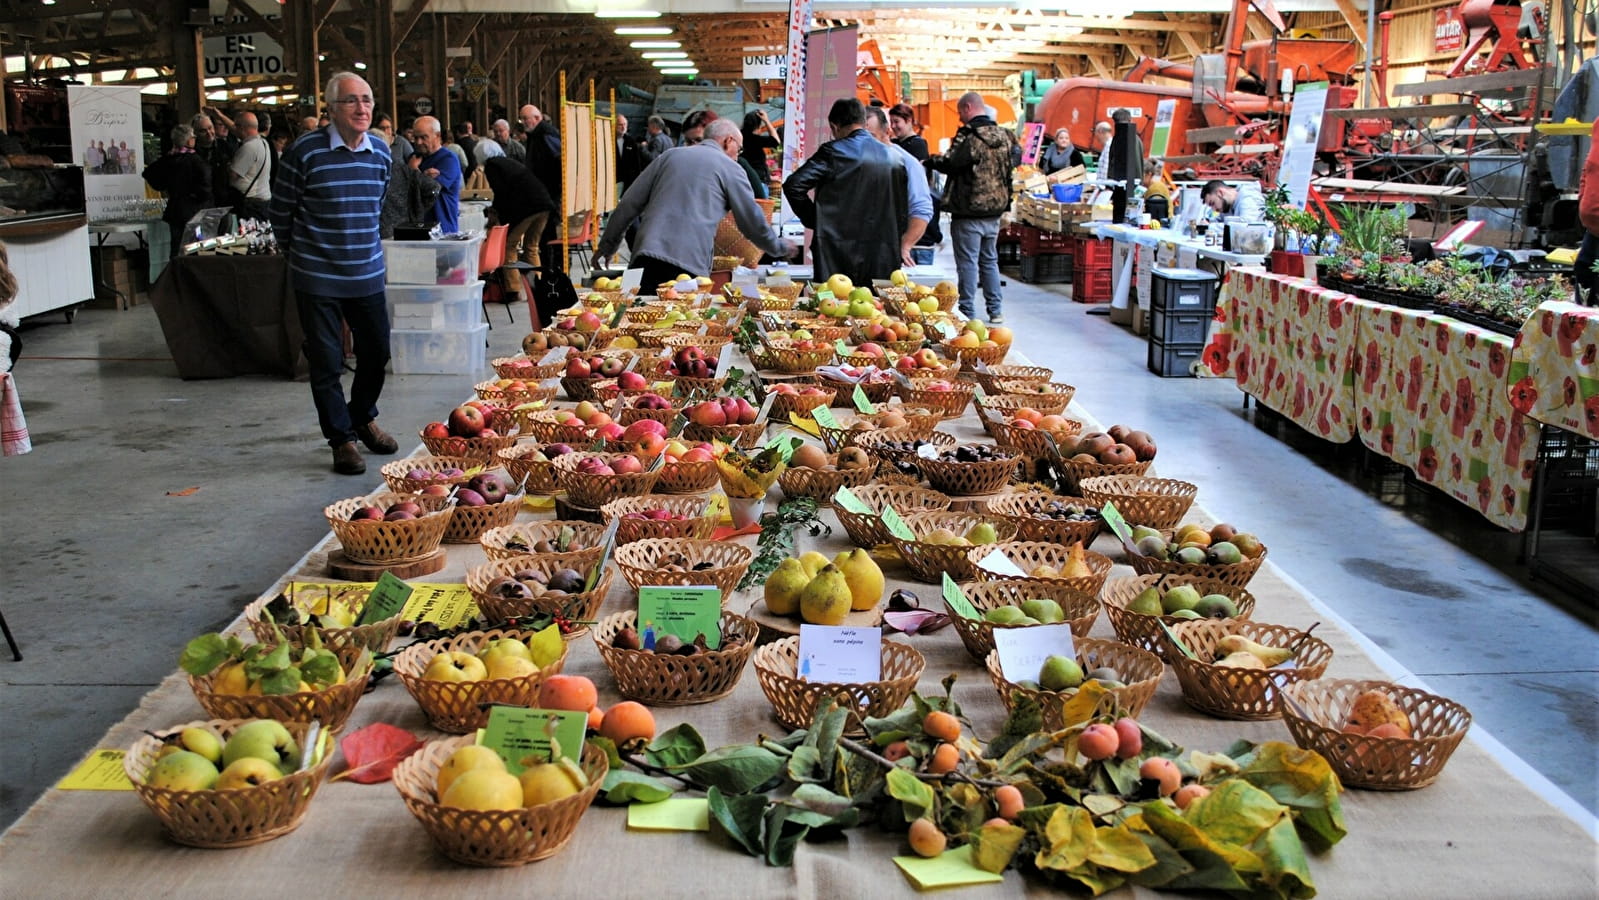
(644, 29)
(665, 54)
(655, 45)
(360, 65)
(154, 90)
(215, 82)
(680, 71)
(670, 63)
(626, 14)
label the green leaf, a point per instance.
(1304, 782)
(1123, 773)
(320, 667)
(994, 846)
(1235, 812)
(623, 786)
(805, 766)
(783, 835)
(911, 791)
(1215, 865)
(735, 769)
(1118, 848)
(818, 807)
(1025, 720)
(203, 654)
(896, 726)
(1287, 870)
(276, 659)
(281, 681)
(739, 817)
(609, 747)
(1169, 864)
(826, 728)
(675, 747)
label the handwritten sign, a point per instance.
(1022, 651)
(1118, 526)
(824, 417)
(847, 501)
(863, 404)
(518, 734)
(387, 599)
(840, 655)
(896, 525)
(956, 599)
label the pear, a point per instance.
(1237, 643)
(1147, 603)
(1152, 546)
(1242, 659)
(1190, 556)
(812, 562)
(1249, 545)
(982, 533)
(1076, 564)
(1004, 615)
(826, 599)
(1060, 673)
(784, 586)
(1044, 610)
(864, 578)
(1185, 614)
(1375, 708)
(1224, 554)
(1216, 606)
(1144, 531)
(1184, 596)
(182, 770)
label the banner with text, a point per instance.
(247, 53)
(765, 63)
(108, 141)
(799, 19)
(829, 77)
(1299, 148)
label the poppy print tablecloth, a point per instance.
(1554, 368)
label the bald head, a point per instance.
(247, 125)
(531, 117)
(969, 106)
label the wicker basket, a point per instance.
(1077, 472)
(867, 530)
(331, 706)
(822, 484)
(218, 820)
(374, 636)
(710, 344)
(378, 541)
(594, 491)
(732, 242)
(631, 413)
(929, 562)
(1375, 763)
(967, 479)
(579, 389)
(697, 526)
(648, 335)
(493, 393)
(547, 427)
(1230, 692)
(469, 522)
(877, 392)
(497, 542)
(1029, 442)
(1158, 503)
(394, 472)
(461, 707)
(517, 367)
(501, 838)
(1142, 671)
(692, 388)
(479, 449)
(951, 403)
(605, 392)
(784, 357)
(794, 700)
(1049, 404)
(991, 356)
(644, 314)
(1022, 508)
(790, 292)
(919, 423)
(638, 562)
(687, 477)
(1029, 555)
(1081, 610)
(664, 679)
(1235, 575)
(745, 437)
(873, 442)
(592, 341)
(783, 404)
(1144, 631)
(583, 605)
(991, 379)
(535, 477)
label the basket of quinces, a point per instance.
(941, 395)
(1377, 735)
(1051, 518)
(235, 680)
(968, 470)
(1138, 606)
(389, 527)
(1232, 668)
(1117, 451)
(732, 420)
(684, 561)
(479, 814)
(664, 670)
(978, 342)
(1068, 689)
(487, 500)
(660, 516)
(1015, 603)
(798, 398)
(943, 542)
(467, 432)
(546, 583)
(864, 524)
(415, 474)
(794, 698)
(1157, 503)
(530, 465)
(1074, 565)
(1220, 552)
(527, 369)
(543, 538)
(989, 377)
(229, 782)
(333, 611)
(593, 479)
(456, 679)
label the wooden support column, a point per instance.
(380, 53)
(303, 50)
(437, 68)
(188, 59)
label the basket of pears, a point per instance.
(333, 611)
(230, 782)
(1138, 606)
(1234, 668)
(1070, 689)
(1376, 734)
(1017, 603)
(1219, 552)
(313, 683)
(940, 542)
(1074, 566)
(456, 679)
(482, 809)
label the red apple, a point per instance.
(626, 465)
(631, 381)
(468, 497)
(611, 367)
(466, 421)
(576, 367)
(707, 412)
(436, 430)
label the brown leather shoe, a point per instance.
(347, 460)
(376, 439)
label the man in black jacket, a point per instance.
(544, 158)
(861, 205)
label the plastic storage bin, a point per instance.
(1089, 286)
(1049, 268)
(1182, 290)
(435, 307)
(439, 352)
(1173, 360)
(432, 262)
(1179, 327)
(1092, 253)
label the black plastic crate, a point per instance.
(1169, 291)
(1010, 254)
(1174, 360)
(1179, 328)
(1571, 478)
(1051, 268)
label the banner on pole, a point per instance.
(108, 141)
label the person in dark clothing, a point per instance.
(1062, 154)
(759, 137)
(468, 144)
(544, 158)
(629, 154)
(902, 123)
(186, 180)
(521, 202)
(408, 199)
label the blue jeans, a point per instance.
(368, 318)
(977, 258)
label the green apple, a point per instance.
(182, 771)
(1044, 610)
(455, 665)
(247, 772)
(977, 328)
(504, 647)
(898, 277)
(262, 739)
(1184, 596)
(928, 304)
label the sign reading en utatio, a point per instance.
(108, 142)
(246, 53)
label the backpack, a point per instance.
(552, 292)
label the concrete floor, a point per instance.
(109, 574)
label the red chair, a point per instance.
(490, 258)
(581, 244)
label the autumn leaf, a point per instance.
(371, 753)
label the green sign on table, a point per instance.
(896, 525)
(684, 611)
(386, 600)
(956, 598)
(516, 734)
(824, 417)
(862, 403)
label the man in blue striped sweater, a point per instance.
(325, 206)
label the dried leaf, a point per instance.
(184, 492)
(993, 846)
(371, 753)
(916, 621)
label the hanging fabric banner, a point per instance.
(108, 141)
(799, 22)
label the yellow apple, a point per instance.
(453, 665)
(840, 285)
(484, 788)
(466, 759)
(247, 772)
(506, 666)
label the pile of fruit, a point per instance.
(810, 456)
(723, 411)
(1195, 545)
(1117, 446)
(197, 759)
(823, 591)
(1184, 602)
(1038, 611)
(501, 658)
(628, 638)
(978, 535)
(691, 362)
(531, 583)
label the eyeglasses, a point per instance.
(355, 101)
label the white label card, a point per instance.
(631, 280)
(840, 655)
(1000, 564)
(1022, 651)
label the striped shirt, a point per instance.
(325, 206)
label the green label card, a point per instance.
(387, 599)
(861, 403)
(956, 599)
(517, 734)
(824, 294)
(979, 394)
(608, 541)
(896, 525)
(824, 417)
(1118, 526)
(847, 501)
(841, 348)
(685, 611)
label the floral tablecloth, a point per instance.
(1554, 368)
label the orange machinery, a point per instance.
(879, 81)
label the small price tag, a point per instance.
(861, 403)
(839, 654)
(1022, 651)
(980, 395)
(841, 348)
(725, 359)
(823, 294)
(631, 279)
(1000, 564)
(955, 598)
(766, 405)
(824, 417)
(517, 734)
(386, 600)
(847, 501)
(676, 428)
(686, 612)
(896, 525)
(608, 541)
(1118, 526)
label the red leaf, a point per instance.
(371, 753)
(916, 621)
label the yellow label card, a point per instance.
(101, 771)
(675, 814)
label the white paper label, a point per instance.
(839, 654)
(1022, 651)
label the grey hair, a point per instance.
(876, 119)
(657, 121)
(333, 84)
(719, 129)
(181, 134)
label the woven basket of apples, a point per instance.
(799, 398)
(709, 345)
(1045, 396)
(587, 327)
(513, 391)
(390, 527)
(233, 782)
(467, 432)
(938, 394)
(1138, 606)
(487, 500)
(648, 405)
(796, 357)
(579, 539)
(690, 468)
(733, 420)
(1377, 735)
(593, 479)
(813, 473)
(1029, 432)
(977, 342)
(526, 368)
(530, 467)
(989, 377)
(546, 584)
(582, 373)
(915, 422)
(411, 475)
(660, 516)
(1119, 450)
(456, 679)
(628, 384)
(1220, 552)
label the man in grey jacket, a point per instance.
(679, 200)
